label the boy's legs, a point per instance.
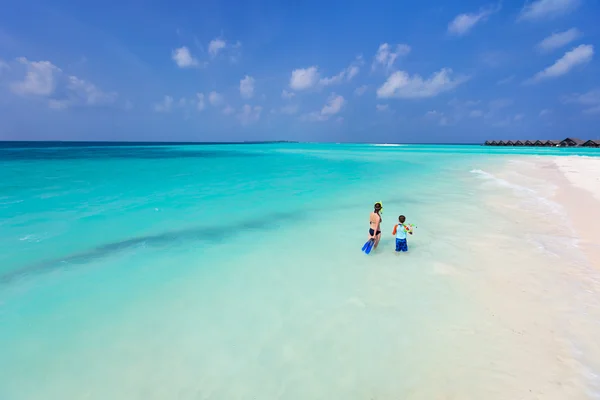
(401, 245)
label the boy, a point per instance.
(400, 232)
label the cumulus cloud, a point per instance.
(165, 105)
(463, 23)
(249, 114)
(581, 54)
(359, 91)
(344, 75)
(386, 56)
(215, 99)
(401, 85)
(215, 46)
(382, 107)
(44, 79)
(304, 78)
(558, 40)
(183, 58)
(547, 9)
(219, 46)
(40, 80)
(333, 106)
(247, 87)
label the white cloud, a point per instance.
(581, 54)
(345, 75)
(183, 58)
(247, 87)
(228, 110)
(44, 79)
(359, 91)
(80, 92)
(463, 23)
(544, 112)
(558, 40)
(287, 95)
(215, 46)
(519, 117)
(386, 57)
(304, 78)
(40, 80)
(249, 114)
(200, 101)
(334, 105)
(165, 105)
(547, 9)
(382, 107)
(476, 114)
(215, 98)
(401, 85)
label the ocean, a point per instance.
(234, 271)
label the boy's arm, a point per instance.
(395, 229)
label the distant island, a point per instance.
(568, 142)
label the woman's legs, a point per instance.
(377, 238)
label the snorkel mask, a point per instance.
(381, 207)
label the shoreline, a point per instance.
(566, 214)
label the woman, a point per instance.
(375, 224)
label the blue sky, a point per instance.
(380, 71)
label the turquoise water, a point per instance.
(233, 271)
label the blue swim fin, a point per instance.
(369, 244)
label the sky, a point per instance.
(336, 71)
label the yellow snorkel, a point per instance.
(381, 205)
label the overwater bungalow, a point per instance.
(509, 143)
(592, 143)
(519, 143)
(529, 143)
(570, 142)
(500, 143)
(540, 143)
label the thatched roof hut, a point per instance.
(500, 143)
(509, 143)
(570, 142)
(592, 143)
(529, 143)
(519, 143)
